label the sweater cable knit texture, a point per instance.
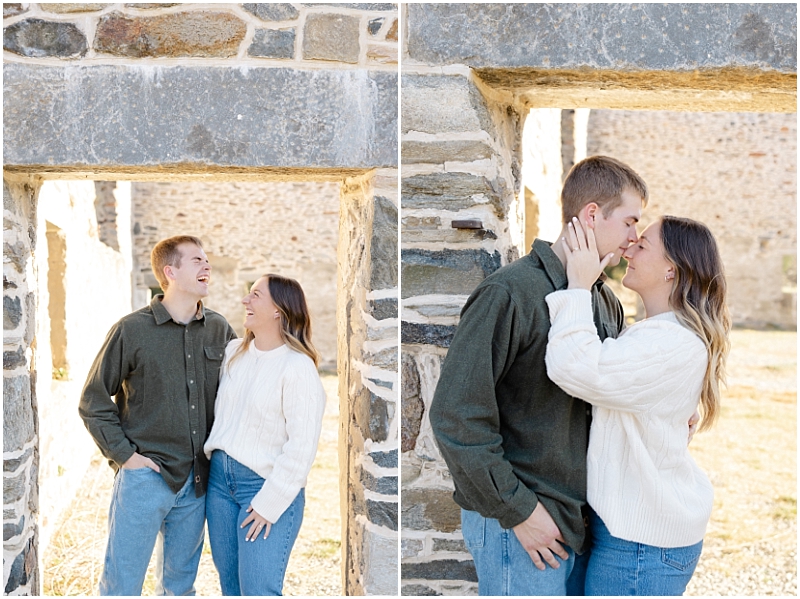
(644, 386)
(268, 417)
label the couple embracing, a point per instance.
(567, 433)
(199, 424)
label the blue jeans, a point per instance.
(246, 567)
(505, 568)
(619, 567)
(144, 513)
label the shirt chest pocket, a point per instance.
(213, 364)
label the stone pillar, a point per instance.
(20, 421)
(461, 162)
(367, 357)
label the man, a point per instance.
(161, 365)
(514, 442)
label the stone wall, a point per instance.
(248, 229)
(20, 422)
(74, 229)
(369, 422)
(736, 172)
(470, 75)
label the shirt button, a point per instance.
(193, 407)
(189, 356)
(191, 381)
(194, 432)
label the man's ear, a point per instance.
(168, 273)
(588, 214)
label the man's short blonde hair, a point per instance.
(599, 179)
(167, 252)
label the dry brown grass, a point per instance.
(74, 560)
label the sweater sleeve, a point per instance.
(303, 402)
(464, 414)
(98, 410)
(629, 373)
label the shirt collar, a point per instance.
(162, 315)
(553, 267)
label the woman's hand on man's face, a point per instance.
(583, 262)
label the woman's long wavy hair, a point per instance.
(698, 299)
(290, 300)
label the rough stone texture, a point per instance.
(412, 405)
(385, 485)
(13, 529)
(383, 308)
(382, 54)
(13, 359)
(445, 569)
(24, 569)
(384, 459)
(273, 43)
(450, 191)
(385, 359)
(427, 334)
(331, 37)
(13, 9)
(426, 509)
(384, 245)
(381, 554)
(392, 33)
(37, 38)
(341, 119)
(13, 464)
(372, 416)
(415, 152)
(197, 34)
(65, 8)
(16, 254)
(418, 590)
(357, 6)
(456, 545)
(14, 487)
(12, 313)
(411, 547)
(374, 25)
(150, 6)
(675, 37)
(453, 272)
(18, 416)
(424, 110)
(733, 171)
(272, 12)
(382, 513)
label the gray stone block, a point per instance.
(418, 590)
(374, 25)
(329, 36)
(639, 37)
(273, 43)
(36, 38)
(372, 416)
(150, 6)
(386, 359)
(189, 118)
(383, 308)
(385, 485)
(23, 569)
(382, 513)
(14, 464)
(383, 250)
(413, 333)
(356, 6)
(14, 487)
(430, 509)
(424, 109)
(12, 312)
(411, 547)
(456, 545)
(444, 569)
(272, 12)
(451, 191)
(30, 321)
(384, 459)
(18, 413)
(13, 359)
(68, 7)
(379, 559)
(448, 272)
(13, 529)
(417, 152)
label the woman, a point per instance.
(268, 419)
(651, 501)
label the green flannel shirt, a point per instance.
(163, 377)
(509, 435)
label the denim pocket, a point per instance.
(473, 529)
(682, 558)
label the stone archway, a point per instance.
(224, 116)
(463, 204)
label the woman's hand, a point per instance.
(583, 262)
(257, 524)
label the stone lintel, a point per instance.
(142, 117)
(623, 37)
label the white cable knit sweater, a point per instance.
(268, 416)
(644, 386)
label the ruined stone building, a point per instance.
(498, 101)
(250, 124)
